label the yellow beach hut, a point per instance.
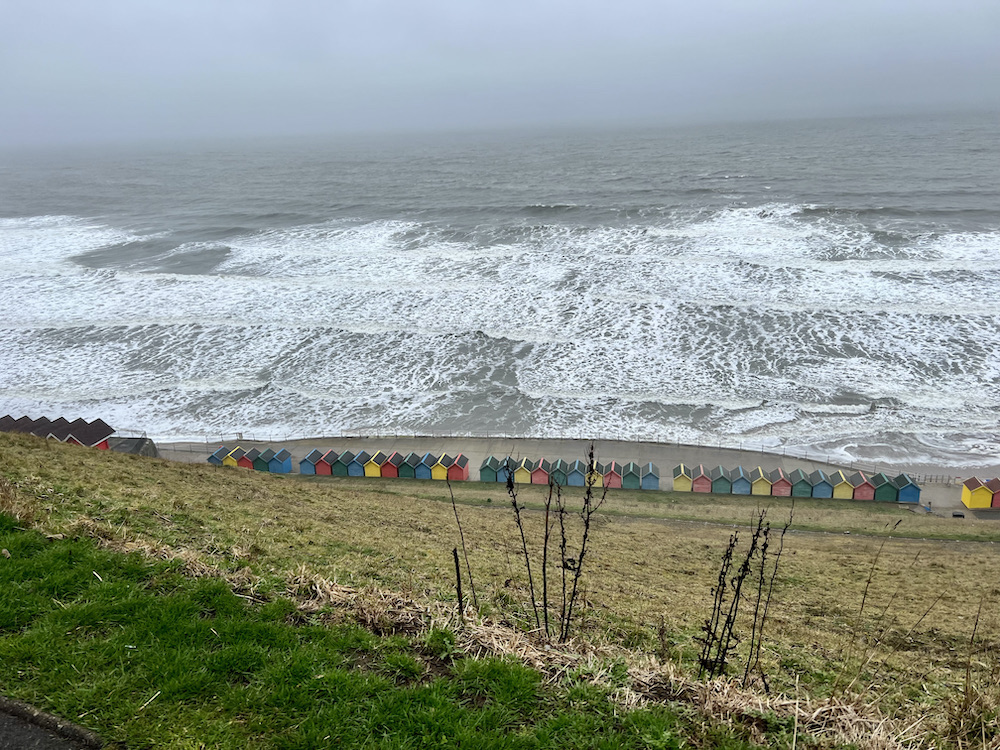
(975, 494)
(439, 470)
(373, 466)
(842, 488)
(522, 472)
(234, 457)
(595, 474)
(682, 478)
(760, 482)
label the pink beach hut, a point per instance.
(540, 474)
(700, 480)
(613, 475)
(994, 486)
(863, 489)
(781, 485)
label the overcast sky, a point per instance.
(82, 70)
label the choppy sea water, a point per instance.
(828, 286)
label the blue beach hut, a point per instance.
(216, 458)
(356, 468)
(308, 464)
(740, 481)
(822, 486)
(424, 469)
(280, 463)
(650, 477)
(506, 469)
(908, 491)
(577, 474)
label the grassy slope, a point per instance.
(149, 658)
(653, 558)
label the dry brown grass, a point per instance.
(650, 562)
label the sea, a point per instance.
(821, 286)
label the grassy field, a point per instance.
(923, 644)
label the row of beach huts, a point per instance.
(94, 434)
(979, 494)
(717, 481)
(796, 483)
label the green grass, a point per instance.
(147, 657)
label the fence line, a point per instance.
(379, 433)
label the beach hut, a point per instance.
(488, 470)
(217, 457)
(522, 471)
(682, 478)
(248, 458)
(721, 483)
(459, 469)
(424, 470)
(280, 463)
(559, 470)
(822, 486)
(975, 494)
(308, 464)
(5, 423)
(408, 469)
(540, 474)
(506, 470)
(356, 468)
(595, 474)
(233, 459)
(907, 490)
(577, 474)
(632, 476)
(390, 468)
(842, 489)
(801, 486)
(781, 485)
(885, 490)
(341, 467)
(701, 481)
(863, 488)
(759, 482)
(95, 434)
(439, 470)
(263, 460)
(650, 477)
(994, 486)
(740, 480)
(373, 466)
(613, 475)
(324, 466)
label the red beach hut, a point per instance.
(459, 470)
(540, 474)
(994, 486)
(391, 466)
(613, 475)
(863, 489)
(781, 485)
(324, 467)
(700, 480)
(247, 459)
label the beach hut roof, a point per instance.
(252, 454)
(412, 460)
(632, 468)
(331, 457)
(560, 465)
(237, 453)
(445, 460)
(579, 466)
(737, 472)
(993, 484)
(378, 458)
(838, 477)
(362, 458)
(857, 479)
(879, 479)
(819, 476)
(530, 464)
(267, 455)
(757, 474)
(222, 452)
(777, 475)
(719, 472)
(461, 460)
(345, 458)
(598, 468)
(699, 471)
(92, 433)
(396, 459)
(40, 426)
(313, 456)
(973, 483)
(491, 462)
(5, 422)
(798, 476)
(651, 468)
(680, 470)
(429, 459)
(282, 455)
(543, 464)
(903, 480)
(612, 467)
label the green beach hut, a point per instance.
(801, 486)
(632, 476)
